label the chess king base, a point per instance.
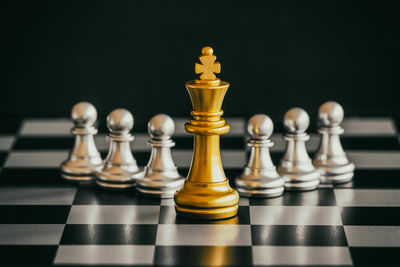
(211, 201)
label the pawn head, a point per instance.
(84, 114)
(161, 126)
(260, 126)
(120, 120)
(296, 120)
(330, 114)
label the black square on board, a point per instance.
(98, 196)
(298, 235)
(375, 256)
(27, 255)
(32, 176)
(109, 234)
(203, 255)
(379, 216)
(320, 197)
(32, 214)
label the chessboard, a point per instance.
(46, 221)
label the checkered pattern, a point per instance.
(46, 221)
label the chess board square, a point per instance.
(27, 255)
(378, 216)
(244, 201)
(301, 256)
(370, 178)
(320, 197)
(36, 159)
(382, 257)
(44, 143)
(30, 234)
(168, 216)
(103, 254)
(357, 126)
(3, 156)
(108, 234)
(370, 143)
(33, 214)
(373, 236)
(31, 176)
(98, 196)
(295, 215)
(368, 197)
(6, 142)
(142, 157)
(36, 196)
(375, 159)
(276, 157)
(232, 172)
(202, 255)
(298, 235)
(9, 125)
(113, 214)
(203, 235)
(46, 127)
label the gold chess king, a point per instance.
(206, 193)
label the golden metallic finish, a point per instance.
(206, 193)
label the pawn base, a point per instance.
(114, 185)
(80, 172)
(338, 174)
(206, 201)
(119, 180)
(301, 186)
(250, 186)
(83, 178)
(261, 192)
(302, 181)
(159, 184)
(165, 191)
(337, 179)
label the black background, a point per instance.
(139, 54)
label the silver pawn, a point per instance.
(84, 159)
(260, 178)
(161, 177)
(119, 168)
(330, 158)
(296, 166)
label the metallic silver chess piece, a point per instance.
(330, 158)
(119, 168)
(260, 178)
(296, 166)
(161, 177)
(84, 159)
